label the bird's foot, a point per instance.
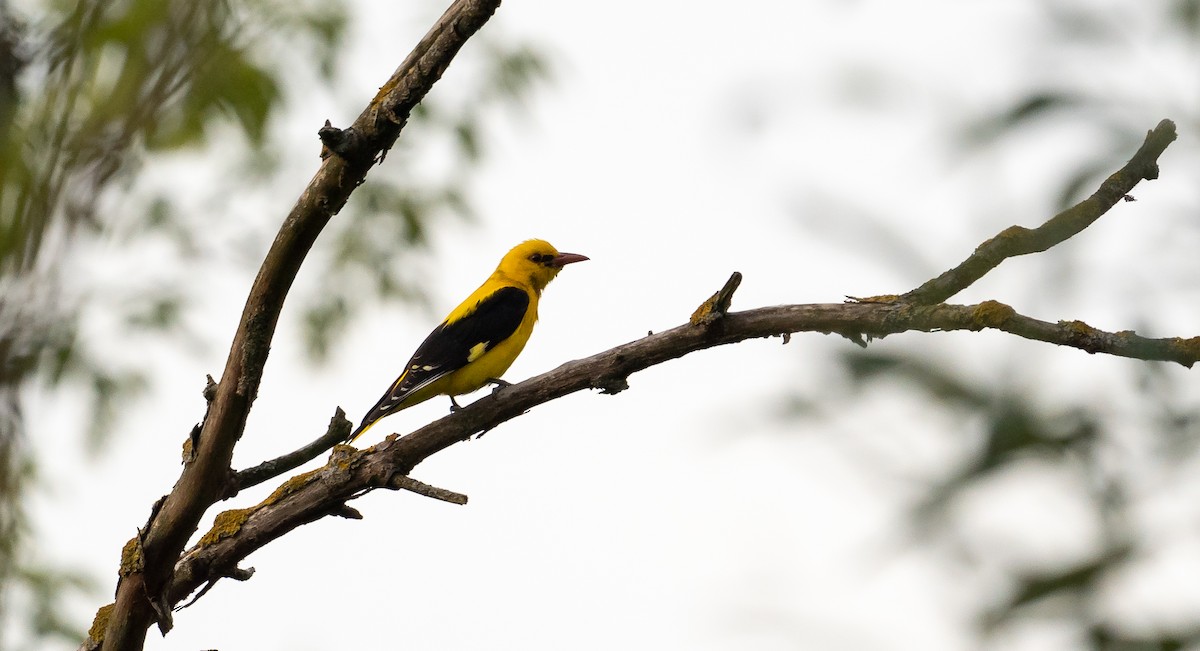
(454, 406)
(500, 384)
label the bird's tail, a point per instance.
(361, 429)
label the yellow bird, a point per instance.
(480, 338)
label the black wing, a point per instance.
(448, 348)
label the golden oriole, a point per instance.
(480, 338)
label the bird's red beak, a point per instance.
(564, 259)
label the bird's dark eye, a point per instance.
(541, 258)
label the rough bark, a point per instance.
(148, 563)
(156, 574)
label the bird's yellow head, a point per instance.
(535, 262)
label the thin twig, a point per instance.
(420, 488)
(1018, 240)
(236, 573)
(339, 429)
(717, 305)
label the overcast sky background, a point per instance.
(676, 143)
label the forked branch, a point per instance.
(155, 573)
(352, 472)
(145, 579)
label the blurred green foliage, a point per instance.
(97, 94)
(1004, 429)
(1117, 458)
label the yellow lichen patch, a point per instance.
(384, 91)
(717, 305)
(291, 486)
(342, 455)
(226, 524)
(1012, 233)
(701, 314)
(882, 298)
(131, 558)
(1078, 328)
(100, 624)
(1190, 346)
(991, 314)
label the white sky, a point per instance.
(679, 142)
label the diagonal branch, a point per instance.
(1018, 240)
(204, 479)
(338, 431)
(351, 472)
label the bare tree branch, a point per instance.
(717, 305)
(153, 575)
(1018, 240)
(339, 430)
(205, 478)
(421, 488)
(351, 472)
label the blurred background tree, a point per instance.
(99, 101)
(1098, 468)
(105, 105)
